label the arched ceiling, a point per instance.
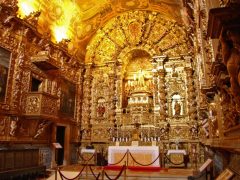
(144, 30)
(79, 20)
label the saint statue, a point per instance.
(101, 110)
(177, 108)
(135, 132)
(140, 79)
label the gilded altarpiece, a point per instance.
(139, 74)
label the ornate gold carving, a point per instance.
(87, 85)
(41, 128)
(33, 105)
(41, 104)
(130, 22)
(162, 95)
(13, 125)
(230, 41)
(3, 125)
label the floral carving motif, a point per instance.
(33, 105)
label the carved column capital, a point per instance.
(159, 60)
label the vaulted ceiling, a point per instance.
(78, 21)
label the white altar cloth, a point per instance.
(92, 151)
(176, 151)
(142, 154)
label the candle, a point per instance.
(117, 131)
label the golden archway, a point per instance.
(146, 30)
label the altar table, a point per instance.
(177, 157)
(142, 154)
(87, 154)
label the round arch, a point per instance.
(145, 30)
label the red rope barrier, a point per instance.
(141, 163)
(97, 177)
(79, 154)
(63, 176)
(120, 173)
(121, 159)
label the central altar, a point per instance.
(133, 155)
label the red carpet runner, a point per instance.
(134, 168)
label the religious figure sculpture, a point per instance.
(139, 79)
(135, 132)
(13, 126)
(230, 41)
(101, 110)
(177, 108)
(141, 82)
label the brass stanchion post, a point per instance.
(102, 173)
(56, 173)
(86, 171)
(127, 157)
(125, 171)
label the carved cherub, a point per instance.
(13, 126)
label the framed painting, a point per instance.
(5, 56)
(68, 93)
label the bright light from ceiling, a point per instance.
(26, 7)
(61, 28)
(60, 33)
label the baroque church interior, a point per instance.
(124, 83)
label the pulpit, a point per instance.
(176, 157)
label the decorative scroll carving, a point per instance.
(41, 104)
(33, 105)
(41, 127)
(229, 111)
(191, 95)
(87, 86)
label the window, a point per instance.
(36, 84)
